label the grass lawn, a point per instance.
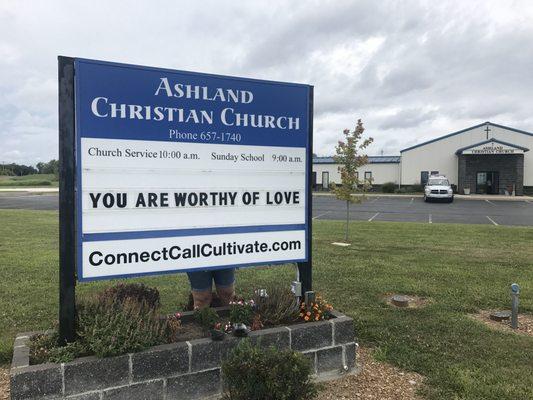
(34, 180)
(462, 268)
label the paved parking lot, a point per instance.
(401, 209)
(29, 201)
(414, 209)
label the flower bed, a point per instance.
(184, 370)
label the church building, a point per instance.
(485, 159)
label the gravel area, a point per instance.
(4, 384)
(376, 380)
(525, 323)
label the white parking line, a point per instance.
(327, 212)
(491, 220)
(490, 202)
(373, 201)
(374, 216)
(430, 221)
(412, 199)
(527, 201)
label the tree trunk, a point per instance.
(347, 219)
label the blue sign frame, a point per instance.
(129, 84)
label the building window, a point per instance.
(368, 176)
(424, 175)
(434, 172)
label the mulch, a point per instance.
(376, 380)
(4, 384)
(525, 323)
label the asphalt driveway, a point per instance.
(414, 209)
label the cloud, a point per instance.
(411, 70)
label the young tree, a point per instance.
(347, 155)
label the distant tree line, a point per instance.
(14, 169)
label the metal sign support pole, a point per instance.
(305, 269)
(67, 215)
(515, 292)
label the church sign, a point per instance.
(178, 171)
(493, 148)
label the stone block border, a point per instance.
(186, 370)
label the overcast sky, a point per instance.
(411, 70)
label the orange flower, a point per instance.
(308, 313)
(306, 318)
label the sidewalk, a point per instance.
(30, 189)
(495, 197)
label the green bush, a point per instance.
(121, 319)
(388, 187)
(111, 328)
(270, 374)
(278, 308)
(416, 188)
(137, 292)
(206, 317)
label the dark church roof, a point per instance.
(371, 160)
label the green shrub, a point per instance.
(137, 292)
(122, 319)
(270, 374)
(388, 187)
(111, 328)
(206, 317)
(416, 188)
(400, 190)
(278, 308)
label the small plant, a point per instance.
(276, 306)
(138, 292)
(271, 374)
(173, 326)
(315, 311)
(206, 317)
(218, 332)
(257, 323)
(388, 187)
(241, 312)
